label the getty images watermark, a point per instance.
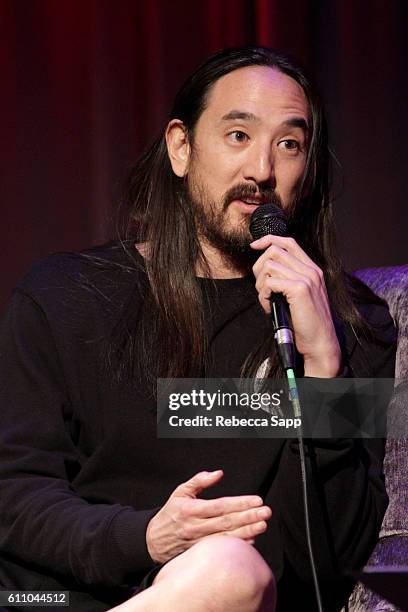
(219, 401)
(254, 408)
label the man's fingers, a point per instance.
(208, 508)
(274, 269)
(196, 484)
(237, 520)
(248, 532)
(232, 522)
(289, 244)
(295, 260)
(293, 290)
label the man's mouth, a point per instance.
(253, 201)
(248, 205)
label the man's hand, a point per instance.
(285, 268)
(184, 519)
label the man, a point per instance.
(92, 502)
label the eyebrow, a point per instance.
(236, 114)
(297, 122)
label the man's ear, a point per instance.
(178, 146)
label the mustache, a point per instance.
(266, 195)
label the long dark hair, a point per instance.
(169, 331)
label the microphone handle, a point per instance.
(279, 312)
(283, 330)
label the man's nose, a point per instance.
(259, 165)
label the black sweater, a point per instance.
(82, 471)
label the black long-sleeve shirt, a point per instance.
(82, 471)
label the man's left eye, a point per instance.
(289, 145)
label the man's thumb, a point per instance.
(199, 482)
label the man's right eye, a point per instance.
(238, 136)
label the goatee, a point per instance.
(212, 226)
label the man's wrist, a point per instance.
(149, 543)
(323, 367)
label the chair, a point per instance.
(391, 283)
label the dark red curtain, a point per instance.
(85, 84)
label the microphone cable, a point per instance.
(294, 398)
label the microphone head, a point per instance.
(268, 219)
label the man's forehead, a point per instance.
(254, 89)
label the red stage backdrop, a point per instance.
(85, 84)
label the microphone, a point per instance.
(269, 219)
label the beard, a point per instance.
(230, 238)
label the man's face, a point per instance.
(250, 147)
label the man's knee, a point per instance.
(233, 560)
(227, 571)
